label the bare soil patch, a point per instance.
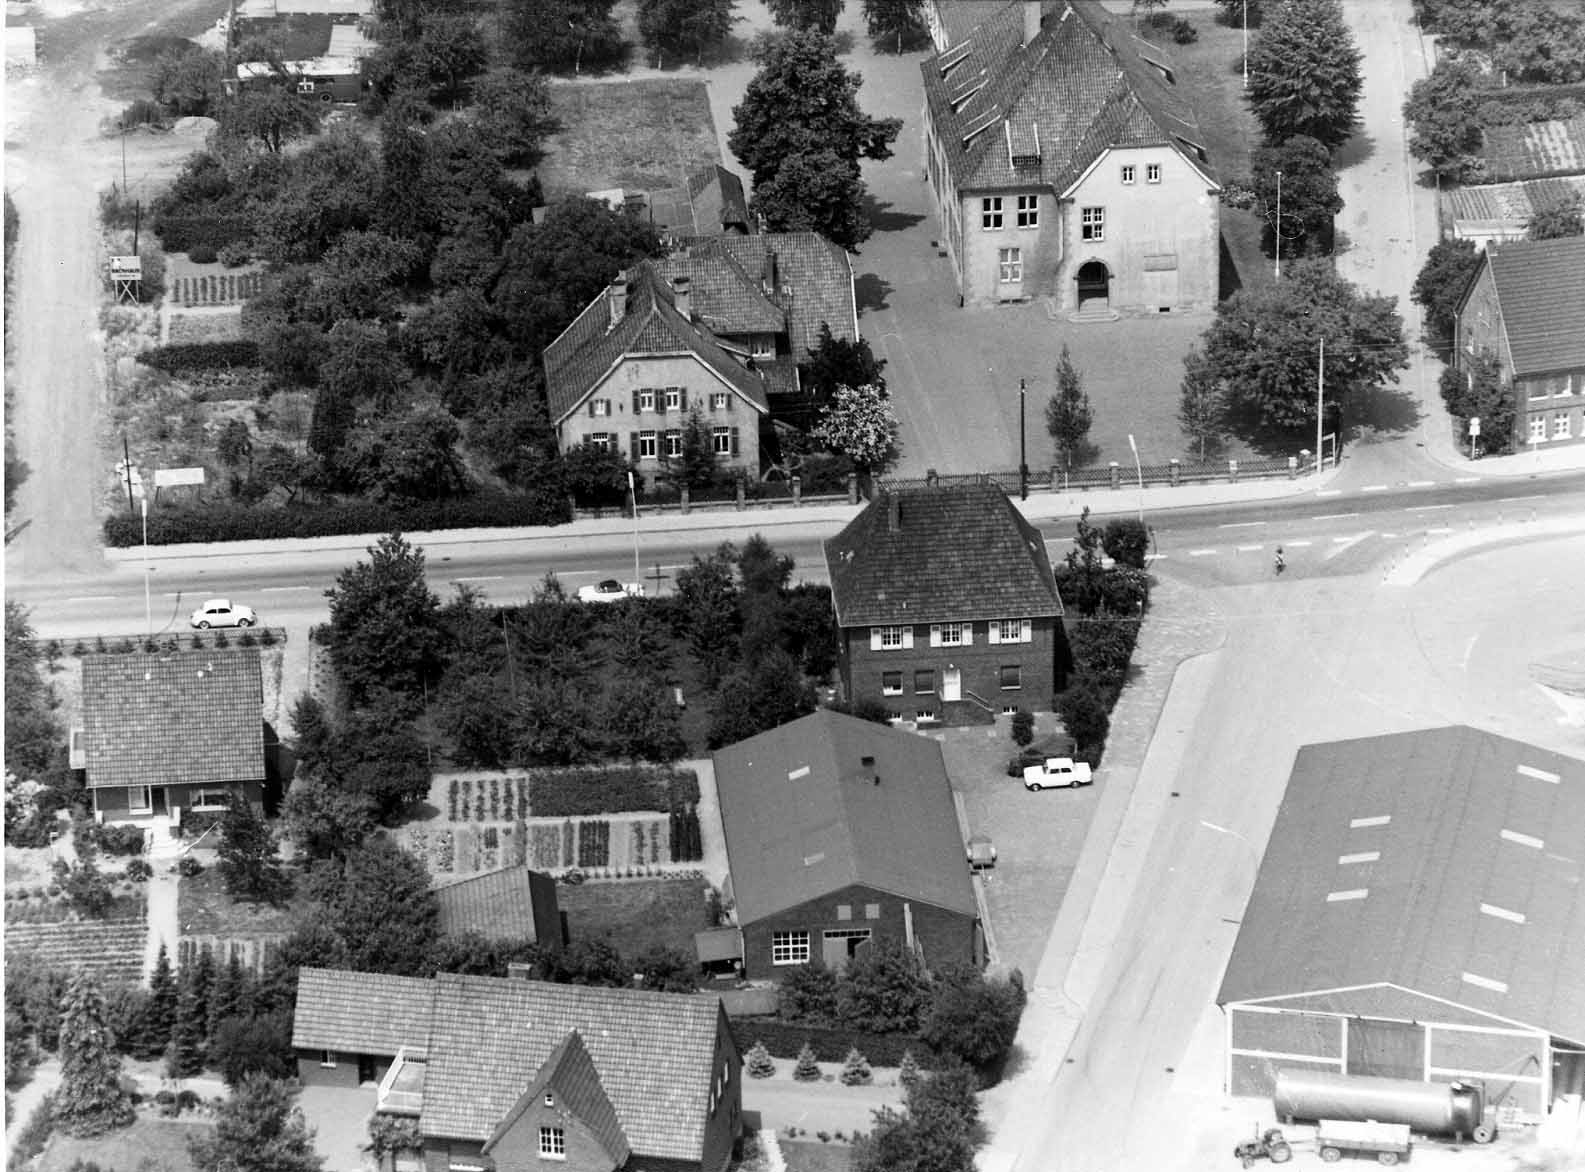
(204, 909)
(636, 135)
(636, 915)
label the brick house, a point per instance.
(504, 1075)
(841, 832)
(169, 732)
(1525, 306)
(513, 903)
(947, 607)
(1066, 164)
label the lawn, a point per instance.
(634, 135)
(814, 1156)
(636, 915)
(151, 1143)
(204, 909)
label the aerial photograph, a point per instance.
(794, 585)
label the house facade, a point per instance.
(947, 607)
(842, 833)
(1525, 307)
(1066, 166)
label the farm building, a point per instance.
(1419, 913)
(513, 903)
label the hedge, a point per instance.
(615, 789)
(785, 1039)
(181, 358)
(228, 522)
(179, 232)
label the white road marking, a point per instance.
(1329, 492)
(1302, 543)
(481, 578)
(93, 598)
(1466, 480)
(1389, 536)
(1337, 516)
(281, 589)
(1427, 508)
(1201, 553)
(1508, 500)
(1375, 488)
(1241, 525)
(1249, 548)
(1424, 484)
(1469, 647)
(1344, 540)
(1441, 529)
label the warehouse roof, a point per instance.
(1448, 863)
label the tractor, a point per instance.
(1266, 1145)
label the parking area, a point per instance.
(339, 1117)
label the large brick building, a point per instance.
(947, 606)
(839, 833)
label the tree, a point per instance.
(1234, 12)
(1546, 46)
(250, 866)
(806, 15)
(1202, 404)
(1126, 541)
(34, 733)
(1304, 75)
(1068, 414)
(818, 191)
(707, 600)
(668, 970)
(186, 81)
(1309, 198)
(684, 27)
(381, 755)
(258, 1129)
(185, 1057)
(448, 51)
(553, 724)
(856, 1069)
(253, 1044)
(159, 1018)
(1086, 715)
(1475, 389)
(883, 990)
(1264, 345)
(1148, 9)
(1441, 284)
(861, 425)
(267, 115)
(695, 465)
(563, 35)
(360, 279)
(325, 820)
(407, 455)
(1443, 113)
(513, 114)
(641, 721)
(902, 19)
(373, 911)
(771, 693)
(973, 1017)
(90, 1100)
(1558, 221)
(225, 996)
(234, 449)
(839, 362)
(384, 621)
(360, 364)
(480, 727)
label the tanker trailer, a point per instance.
(1433, 1108)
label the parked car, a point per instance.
(1057, 773)
(1057, 745)
(982, 853)
(610, 590)
(222, 612)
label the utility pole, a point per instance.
(1246, 44)
(126, 471)
(633, 491)
(1023, 462)
(1279, 225)
(148, 606)
(1320, 403)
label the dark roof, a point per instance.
(711, 201)
(1447, 862)
(588, 349)
(1084, 84)
(654, 1054)
(813, 279)
(174, 717)
(959, 18)
(805, 816)
(956, 554)
(360, 1013)
(1516, 202)
(721, 293)
(1541, 289)
(569, 1075)
(497, 904)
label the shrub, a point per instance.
(614, 789)
(34, 1135)
(758, 1062)
(138, 870)
(908, 1071)
(1023, 727)
(182, 232)
(1184, 32)
(1087, 717)
(203, 254)
(1126, 541)
(189, 867)
(807, 1068)
(785, 1039)
(809, 993)
(142, 112)
(856, 1070)
(191, 356)
(234, 254)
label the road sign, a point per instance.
(1474, 426)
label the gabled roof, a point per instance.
(360, 1013)
(1015, 116)
(708, 203)
(945, 554)
(805, 816)
(590, 347)
(1541, 291)
(1451, 861)
(812, 279)
(498, 904)
(722, 294)
(574, 1085)
(174, 717)
(653, 1053)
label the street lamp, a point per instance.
(633, 492)
(148, 606)
(1246, 44)
(1140, 473)
(1279, 225)
(1320, 404)
(1023, 463)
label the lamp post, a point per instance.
(1320, 406)
(1023, 463)
(148, 606)
(1279, 225)
(1246, 44)
(632, 490)
(1140, 474)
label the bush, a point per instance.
(1184, 32)
(856, 1070)
(758, 1062)
(1023, 727)
(203, 254)
(234, 254)
(1086, 715)
(807, 1068)
(809, 994)
(142, 112)
(182, 232)
(189, 867)
(785, 1039)
(1059, 745)
(191, 356)
(138, 870)
(1126, 541)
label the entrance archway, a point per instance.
(1094, 285)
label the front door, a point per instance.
(157, 798)
(1094, 285)
(952, 684)
(365, 1068)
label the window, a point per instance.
(1028, 211)
(891, 638)
(1152, 172)
(718, 401)
(646, 399)
(844, 911)
(1128, 174)
(1012, 676)
(1012, 265)
(552, 1143)
(550, 1099)
(764, 346)
(872, 911)
(926, 716)
(211, 799)
(1562, 425)
(1011, 631)
(138, 799)
(851, 938)
(673, 398)
(991, 213)
(891, 683)
(948, 635)
(673, 444)
(924, 681)
(602, 439)
(1009, 709)
(1538, 389)
(647, 445)
(1092, 223)
(789, 948)
(600, 407)
(327, 1059)
(1537, 428)
(721, 440)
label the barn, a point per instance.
(1419, 913)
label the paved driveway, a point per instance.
(340, 1119)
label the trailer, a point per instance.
(1388, 1142)
(1431, 1108)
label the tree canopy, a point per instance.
(384, 621)
(562, 36)
(806, 15)
(1443, 112)
(1309, 197)
(373, 911)
(1475, 389)
(1068, 412)
(684, 28)
(1442, 281)
(1304, 73)
(1558, 220)
(860, 424)
(901, 20)
(258, 1129)
(90, 1100)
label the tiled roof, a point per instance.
(804, 816)
(1541, 289)
(721, 293)
(590, 347)
(813, 279)
(360, 1013)
(569, 1075)
(711, 201)
(1039, 115)
(653, 1052)
(956, 554)
(497, 904)
(1515, 202)
(174, 717)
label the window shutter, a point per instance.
(734, 441)
(730, 405)
(632, 443)
(682, 398)
(1025, 631)
(993, 631)
(591, 408)
(935, 634)
(908, 637)
(968, 634)
(875, 638)
(635, 401)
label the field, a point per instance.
(148, 1143)
(111, 948)
(637, 914)
(633, 135)
(204, 909)
(1535, 150)
(813, 1156)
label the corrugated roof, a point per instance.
(360, 1013)
(1447, 862)
(574, 1085)
(1541, 291)
(804, 816)
(174, 717)
(1079, 87)
(497, 904)
(653, 1052)
(958, 553)
(1515, 202)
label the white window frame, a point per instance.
(648, 445)
(718, 401)
(721, 441)
(934, 685)
(1152, 172)
(552, 1142)
(1027, 211)
(1538, 429)
(602, 408)
(888, 689)
(926, 716)
(763, 345)
(951, 634)
(673, 444)
(674, 398)
(201, 799)
(603, 439)
(1092, 224)
(790, 947)
(1562, 425)
(1128, 174)
(991, 213)
(893, 638)
(1010, 262)
(327, 1060)
(133, 806)
(1010, 631)
(646, 398)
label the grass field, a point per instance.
(636, 915)
(204, 909)
(148, 1143)
(814, 1156)
(630, 134)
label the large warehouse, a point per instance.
(1419, 913)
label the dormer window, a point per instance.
(550, 1099)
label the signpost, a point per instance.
(126, 275)
(1474, 437)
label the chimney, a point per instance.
(679, 295)
(1031, 21)
(519, 970)
(894, 513)
(616, 297)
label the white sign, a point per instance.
(126, 268)
(1474, 426)
(172, 477)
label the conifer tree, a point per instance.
(758, 1061)
(225, 996)
(160, 1017)
(90, 1100)
(185, 1055)
(856, 1069)
(807, 1069)
(908, 1071)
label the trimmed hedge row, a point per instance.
(616, 789)
(180, 232)
(226, 522)
(183, 357)
(785, 1040)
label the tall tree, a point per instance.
(684, 27)
(250, 866)
(900, 19)
(806, 15)
(771, 693)
(514, 116)
(160, 1013)
(1443, 112)
(226, 995)
(1202, 404)
(90, 1100)
(1068, 413)
(1441, 284)
(1234, 12)
(385, 621)
(563, 36)
(818, 191)
(707, 594)
(34, 732)
(268, 116)
(839, 362)
(1304, 73)
(861, 425)
(1475, 389)
(185, 1057)
(324, 819)
(372, 911)
(1309, 198)
(449, 51)
(695, 465)
(258, 1129)
(1558, 221)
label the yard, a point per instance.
(1535, 150)
(148, 1143)
(803, 1155)
(639, 914)
(204, 909)
(633, 135)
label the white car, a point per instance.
(1057, 773)
(222, 612)
(610, 590)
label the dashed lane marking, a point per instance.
(1466, 480)
(1427, 508)
(1201, 553)
(1329, 492)
(281, 589)
(1503, 500)
(1249, 548)
(1302, 543)
(1337, 516)
(1375, 488)
(481, 578)
(1423, 484)
(1441, 529)
(1241, 525)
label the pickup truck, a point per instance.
(610, 590)
(1056, 773)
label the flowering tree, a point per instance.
(861, 425)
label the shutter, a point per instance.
(968, 634)
(875, 638)
(635, 401)
(993, 631)
(730, 404)
(734, 441)
(632, 443)
(1025, 631)
(682, 398)
(591, 408)
(908, 637)
(935, 634)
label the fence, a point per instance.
(1116, 476)
(741, 495)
